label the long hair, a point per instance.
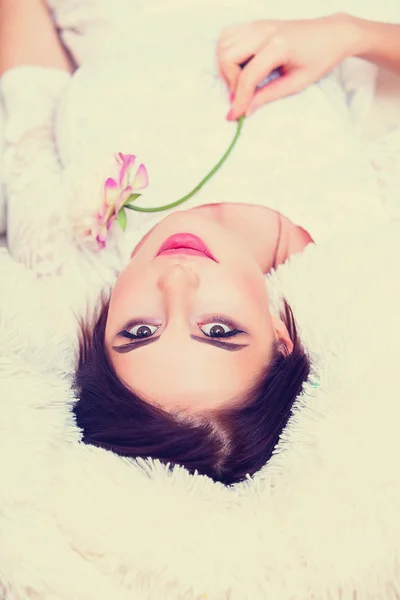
(226, 444)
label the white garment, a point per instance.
(298, 155)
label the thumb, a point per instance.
(286, 85)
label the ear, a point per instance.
(282, 334)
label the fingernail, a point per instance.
(231, 97)
(229, 116)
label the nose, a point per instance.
(176, 278)
(176, 282)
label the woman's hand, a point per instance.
(303, 50)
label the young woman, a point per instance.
(186, 361)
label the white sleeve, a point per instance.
(37, 229)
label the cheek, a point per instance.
(130, 288)
(251, 285)
(131, 297)
(120, 291)
(242, 293)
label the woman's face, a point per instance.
(187, 331)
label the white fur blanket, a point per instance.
(321, 520)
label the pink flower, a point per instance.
(116, 195)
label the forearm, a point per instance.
(28, 37)
(378, 43)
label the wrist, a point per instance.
(354, 33)
(360, 34)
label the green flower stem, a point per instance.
(199, 185)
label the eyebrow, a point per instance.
(229, 346)
(133, 345)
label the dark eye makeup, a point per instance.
(139, 329)
(212, 327)
(216, 327)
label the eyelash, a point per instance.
(228, 334)
(223, 321)
(217, 320)
(145, 322)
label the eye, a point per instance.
(140, 331)
(219, 329)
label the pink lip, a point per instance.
(185, 243)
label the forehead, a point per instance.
(191, 375)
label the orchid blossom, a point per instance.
(117, 193)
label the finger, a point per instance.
(230, 74)
(230, 59)
(256, 70)
(229, 39)
(286, 85)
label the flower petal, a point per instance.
(111, 196)
(126, 158)
(141, 179)
(123, 197)
(101, 237)
(110, 184)
(111, 192)
(111, 221)
(126, 162)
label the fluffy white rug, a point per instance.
(321, 520)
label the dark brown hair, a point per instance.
(226, 445)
